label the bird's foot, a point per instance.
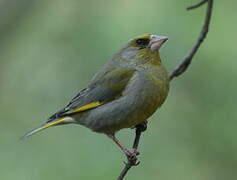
(132, 156)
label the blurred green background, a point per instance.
(50, 49)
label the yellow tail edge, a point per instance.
(43, 127)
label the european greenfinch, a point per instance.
(124, 93)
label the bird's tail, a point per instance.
(46, 125)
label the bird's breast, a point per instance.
(149, 93)
(155, 90)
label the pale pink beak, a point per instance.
(156, 42)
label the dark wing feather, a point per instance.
(109, 87)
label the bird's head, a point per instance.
(143, 49)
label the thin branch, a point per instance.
(139, 129)
(197, 5)
(187, 60)
(133, 162)
(178, 71)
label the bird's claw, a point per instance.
(132, 156)
(137, 163)
(131, 153)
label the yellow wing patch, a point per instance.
(86, 107)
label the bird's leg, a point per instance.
(130, 154)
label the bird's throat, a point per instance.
(147, 56)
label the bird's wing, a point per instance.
(101, 91)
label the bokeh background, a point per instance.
(50, 49)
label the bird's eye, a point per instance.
(142, 41)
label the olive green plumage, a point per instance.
(124, 93)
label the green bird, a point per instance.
(123, 94)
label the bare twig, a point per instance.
(178, 71)
(187, 60)
(197, 5)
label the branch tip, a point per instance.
(197, 5)
(187, 60)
